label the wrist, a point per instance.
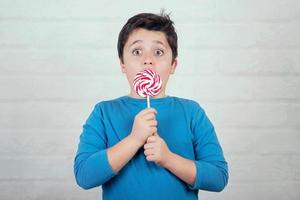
(135, 141)
(168, 160)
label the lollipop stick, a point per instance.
(148, 101)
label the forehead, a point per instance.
(144, 35)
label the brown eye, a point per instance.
(159, 52)
(137, 52)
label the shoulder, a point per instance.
(108, 103)
(107, 106)
(190, 104)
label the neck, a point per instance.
(135, 95)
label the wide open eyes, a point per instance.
(138, 52)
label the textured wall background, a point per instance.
(239, 59)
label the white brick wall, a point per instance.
(239, 59)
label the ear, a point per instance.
(174, 65)
(123, 69)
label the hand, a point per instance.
(144, 125)
(157, 150)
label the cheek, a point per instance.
(165, 66)
(163, 79)
(129, 58)
(165, 75)
(131, 76)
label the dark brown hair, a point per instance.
(152, 22)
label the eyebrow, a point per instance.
(159, 42)
(137, 41)
(155, 41)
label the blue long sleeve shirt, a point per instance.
(185, 128)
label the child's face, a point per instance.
(147, 49)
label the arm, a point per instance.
(122, 152)
(143, 126)
(192, 172)
(183, 168)
(95, 163)
(157, 150)
(209, 169)
(211, 166)
(91, 165)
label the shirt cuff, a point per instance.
(102, 170)
(197, 182)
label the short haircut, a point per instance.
(151, 22)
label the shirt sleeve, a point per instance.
(211, 167)
(91, 166)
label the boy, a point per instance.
(169, 151)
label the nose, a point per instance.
(148, 60)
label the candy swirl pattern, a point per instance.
(147, 83)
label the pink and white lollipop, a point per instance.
(147, 83)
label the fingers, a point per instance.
(151, 139)
(146, 123)
(153, 129)
(152, 123)
(148, 110)
(149, 152)
(148, 146)
(150, 157)
(149, 116)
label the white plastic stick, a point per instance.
(148, 101)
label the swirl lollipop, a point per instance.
(147, 83)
